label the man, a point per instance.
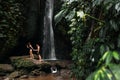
(38, 52)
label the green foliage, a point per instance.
(114, 68)
(101, 74)
(109, 56)
(107, 70)
(10, 23)
(94, 30)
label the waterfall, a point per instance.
(48, 34)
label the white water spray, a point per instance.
(48, 42)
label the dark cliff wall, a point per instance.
(62, 42)
(34, 10)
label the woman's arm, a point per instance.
(35, 49)
(31, 47)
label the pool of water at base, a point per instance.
(48, 77)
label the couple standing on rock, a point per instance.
(31, 49)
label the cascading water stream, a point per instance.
(48, 41)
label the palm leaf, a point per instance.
(60, 15)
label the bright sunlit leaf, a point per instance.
(80, 14)
(116, 55)
(105, 55)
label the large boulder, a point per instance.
(24, 62)
(5, 68)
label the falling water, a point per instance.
(48, 42)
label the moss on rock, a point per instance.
(22, 63)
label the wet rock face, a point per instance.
(14, 74)
(6, 67)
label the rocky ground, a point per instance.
(23, 67)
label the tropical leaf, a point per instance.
(117, 7)
(105, 55)
(60, 15)
(116, 55)
(97, 2)
(102, 49)
(114, 25)
(70, 15)
(70, 1)
(91, 76)
(100, 74)
(106, 73)
(115, 69)
(108, 58)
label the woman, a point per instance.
(29, 46)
